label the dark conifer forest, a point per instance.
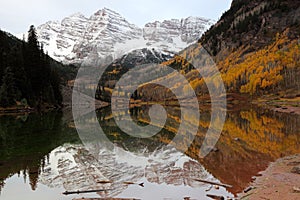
(27, 74)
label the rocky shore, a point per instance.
(280, 181)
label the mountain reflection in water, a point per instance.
(45, 150)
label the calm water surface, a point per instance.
(42, 156)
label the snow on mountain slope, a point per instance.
(107, 35)
(75, 168)
(185, 31)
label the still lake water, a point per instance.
(42, 156)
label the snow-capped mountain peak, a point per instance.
(78, 39)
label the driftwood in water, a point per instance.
(105, 199)
(84, 191)
(248, 189)
(296, 189)
(126, 183)
(104, 182)
(132, 183)
(213, 183)
(215, 197)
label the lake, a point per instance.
(42, 155)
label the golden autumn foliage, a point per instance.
(272, 68)
(259, 133)
(256, 133)
(263, 134)
(263, 70)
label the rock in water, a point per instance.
(296, 170)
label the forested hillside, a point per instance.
(256, 47)
(28, 76)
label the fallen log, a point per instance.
(248, 189)
(132, 183)
(106, 199)
(84, 191)
(104, 182)
(213, 183)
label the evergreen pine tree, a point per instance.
(34, 63)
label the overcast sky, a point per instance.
(17, 15)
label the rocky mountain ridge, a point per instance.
(107, 35)
(251, 23)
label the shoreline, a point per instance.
(16, 110)
(289, 106)
(277, 182)
(282, 105)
